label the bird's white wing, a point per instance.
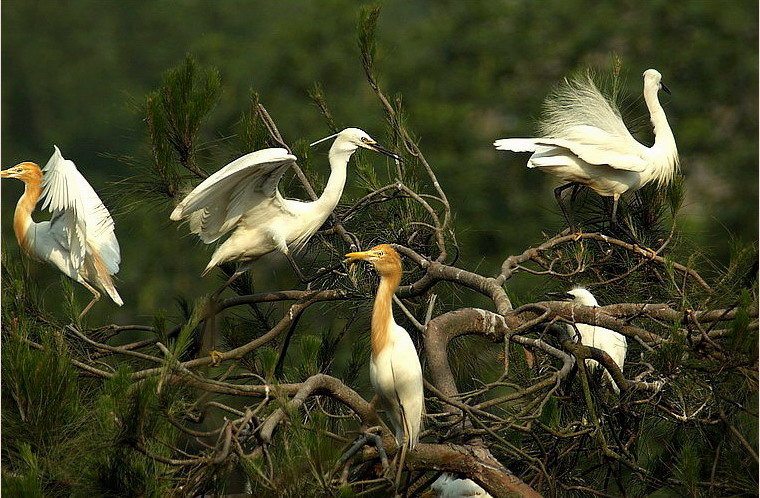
(516, 144)
(595, 146)
(217, 204)
(588, 143)
(79, 213)
(407, 375)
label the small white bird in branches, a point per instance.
(243, 199)
(584, 141)
(79, 239)
(607, 340)
(448, 486)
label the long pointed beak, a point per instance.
(665, 88)
(560, 296)
(357, 256)
(6, 173)
(382, 150)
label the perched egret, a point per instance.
(79, 239)
(585, 142)
(243, 198)
(448, 486)
(394, 369)
(609, 341)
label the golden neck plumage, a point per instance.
(22, 217)
(382, 312)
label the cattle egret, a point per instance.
(394, 369)
(79, 239)
(448, 486)
(609, 341)
(243, 198)
(585, 142)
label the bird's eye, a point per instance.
(380, 254)
(365, 139)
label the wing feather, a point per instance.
(79, 212)
(217, 204)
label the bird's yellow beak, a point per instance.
(6, 173)
(358, 256)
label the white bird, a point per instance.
(607, 340)
(583, 140)
(448, 486)
(394, 370)
(79, 239)
(243, 198)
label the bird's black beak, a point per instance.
(560, 296)
(382, 150)
(665, 88)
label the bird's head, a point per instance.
(577, 295)
(350, 139)
(383, 257)
(25, 172)
(653, 78)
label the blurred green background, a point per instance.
(75, 72)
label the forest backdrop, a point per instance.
(129, 402)
(75, 74)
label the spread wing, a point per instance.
(78, 213)
(217, 204)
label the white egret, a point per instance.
(394, 370)
(448, 486)
(243, 198)
(584, 141)
(607, 340)
(79, 238)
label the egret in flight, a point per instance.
(243, 198)
(79, 239)
(585, 142)
(607, 340)
(394, 369)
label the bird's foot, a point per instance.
(216, 358)
(646, 251)
(577, 235)
(370, 435)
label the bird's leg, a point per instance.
(208, 337)
(95, 298)
(613, 218)
(288, 255)
(241, 269)
(401, 460)
(569, 216)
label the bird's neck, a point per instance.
(382, 313)
(22, 218)
(662, 132)
(334, 188)
(664, 141)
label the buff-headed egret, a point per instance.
(607, 340)
(79, 238)
(584, 141)
(394, 369)
(243, 199)
(449, 486)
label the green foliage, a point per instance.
(68, 433)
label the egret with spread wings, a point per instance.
(79, 238)
(584, 141)
(243, 199)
